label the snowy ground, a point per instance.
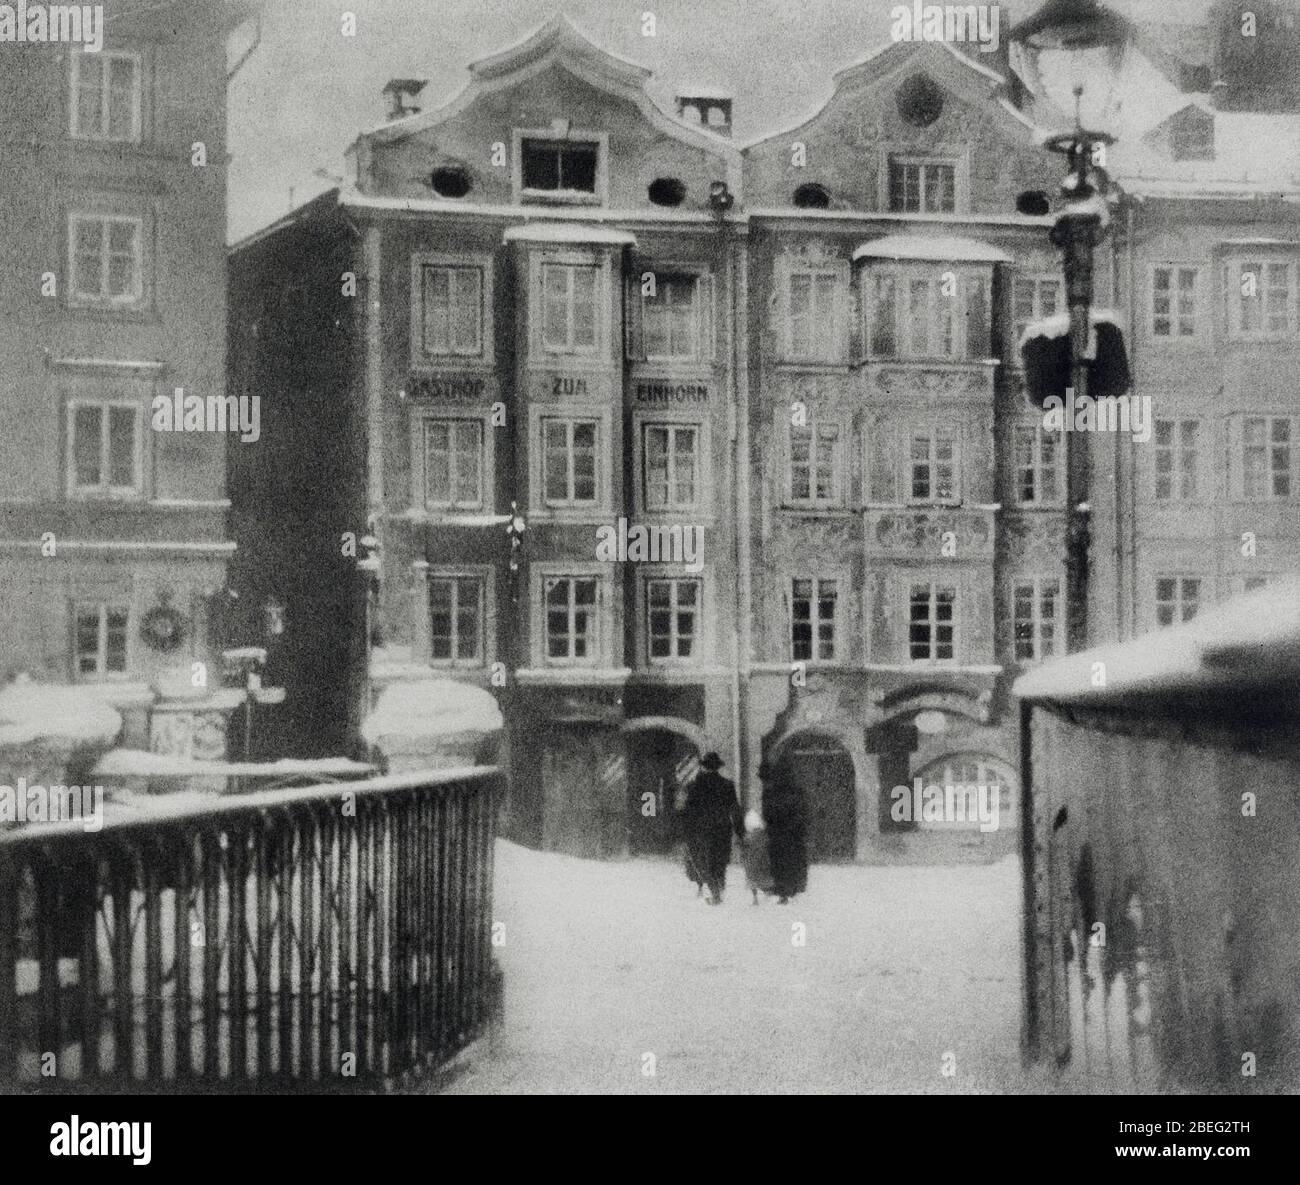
(905, 971)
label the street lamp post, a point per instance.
(1087, 40)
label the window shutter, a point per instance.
(633, 339)
(704, 295)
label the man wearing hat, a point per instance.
(711, 816)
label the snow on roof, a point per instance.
(947, 248)
(1249, 642)
(567, 232)
(31, 712)
(431, 708)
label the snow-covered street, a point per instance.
(619, 980)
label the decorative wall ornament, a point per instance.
(163, 628)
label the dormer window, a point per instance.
(919, 185)
(560, 168)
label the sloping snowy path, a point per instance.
(608, 963)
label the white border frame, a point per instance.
(602, 508)
(486, 357)
(606, 591)
(563, 197)
(137, 112)
(78, 299)
(76, 493)
(486, 575)
(487, 461)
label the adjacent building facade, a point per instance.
(676, 446)
(113, 541)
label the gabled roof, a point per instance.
(559, 42)
(969, 79)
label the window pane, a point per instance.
(121, 98)
(437, 463)
(121, 447)
(466, 312)
(884, 313)
(115, 641)
(556, 460)
(584, 462)
(90, 94)
(540, 165)
(469, 593)
(437, 310)
(441, 609)
(87, 445)
(584, 307)
(555, 306)
(578, 167)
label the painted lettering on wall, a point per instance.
(672, 393)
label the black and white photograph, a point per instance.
(650, 548)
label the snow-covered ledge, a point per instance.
(433, 723)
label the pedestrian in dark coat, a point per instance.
(711, 816)
(786, 816)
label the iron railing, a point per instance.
(335, 937)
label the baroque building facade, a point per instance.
(113, 537)
(551, 336)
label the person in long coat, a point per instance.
(711, 816)
(786, 814)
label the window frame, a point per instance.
(839, 270)
(419, 461)
(1056, 498)
(933, 431)
(1177, 452)
(482, 576)
(104, 491)
(838, 636)
(955, 155)
(935, 583)
(560, 197)
(1038, 279)
(541, 506)
(1179, 602)
(1234, 268)
(960, 324)
(79, 299)
(1174, 314)
(1036, 583)
(641, 423)
(103, 606)
(105, 55)
(839, 498)
(422, 359)
(602, 616)
(705, 314)
(1292, 445)
(674, 574)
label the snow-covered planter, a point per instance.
(433, 724)
(1045, 349)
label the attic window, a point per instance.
(559, 167)
(450, 181)
(812, 197)
(920, 101)
(667, 191)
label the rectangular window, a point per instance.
(812, 620)
(1176, 452)
(670, 319)
(456, 615)
(1261, 298)
(921, 186)
(933, 467)
(1267, 457)
(104, 448)
(1038, 466)
(453, 464)
(813, 315)
(105, 258)
(939, 314)
(559, 168)
(105, 102)
(100, 644)
(815, 464)
(1173, 302)
(1177, 599)
(670, 456)
(672, 619)
(570, 622)
(569, 461)
(1037, 618)
(453, 310)
(1032, 299)
(932, 626)
(569, 307)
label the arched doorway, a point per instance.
(660, 760)
(823, 769)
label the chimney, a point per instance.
(397, 91)
(706, 106)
